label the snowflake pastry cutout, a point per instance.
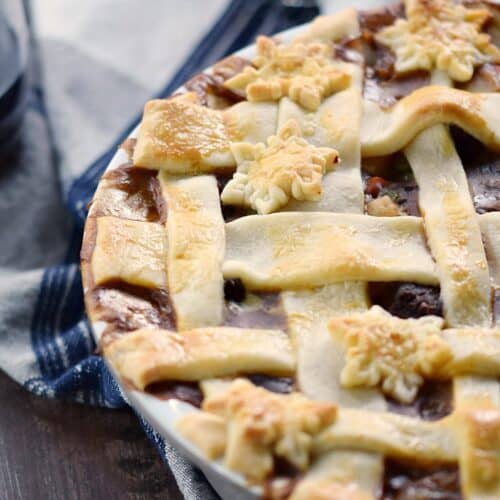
(304, 72)
(265, 424)
(288, 167)
(396, 353)
(440, 34)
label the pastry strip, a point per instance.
(384, 132)
(452, 228)
(180, 136)
(129, 251)
(335, 124)
(294, 250)
(146, 356)
(195, 249)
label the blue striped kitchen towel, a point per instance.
(77, 97)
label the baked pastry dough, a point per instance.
(129, 251)
(490, 229)
(290, 423)
(298, 250)
(179, 136)
(385, 132)
(452, 228)
(393, 352)
(342, 25)
(195, 249)
(339, 348)
(335, 124)
(440, 34)
(146, 356)
(303, 72)
(289, 167)
(400, 353)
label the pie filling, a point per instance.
(405, 482)
(361, 370)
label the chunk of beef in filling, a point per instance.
(390, 188)
(281, 385)
(409, 482)
(433, 402)
(189, 392)
(482, 168)
(406, 300)
(410, 300)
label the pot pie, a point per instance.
(306, 247)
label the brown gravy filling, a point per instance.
(189, 392)
(131, 193)
(433, 402)
(265, 310)
(129, 307)
(482, 168)
(230, 212)
(408, 482)
(210, 88)
(125, 307)
(381, 83)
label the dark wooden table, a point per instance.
(56, 450)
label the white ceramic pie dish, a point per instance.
(162, 415)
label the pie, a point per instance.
(305, 246)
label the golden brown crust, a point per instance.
(129, 251)
(179, 135)
(399, 353)
(303, 72)
(393, 352)
(146, 356)
(479, 432)
(385, 132)
(440, 34)
(383, 206)
(262, 425)
(320, 260)
(206, 431)
(267, 177)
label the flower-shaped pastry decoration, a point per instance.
(265, 424)
(396, 353)
(304, 72)
(440, 34)
(288, 167)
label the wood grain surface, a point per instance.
(56, 450)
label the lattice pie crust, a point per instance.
(289, 158)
